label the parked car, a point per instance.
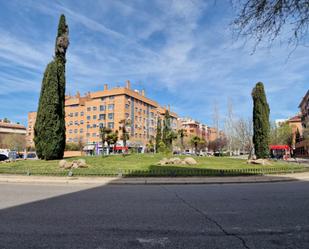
(31, 156)
(3, 157)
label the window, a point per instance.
(111, 116)
(88, 134)
(70, 131)
(88, 109)
(88, 117)
(111, 125)
(102, 107)
(75, 131)
(71, 123)
(94, 126)
(102, 117)
(101, 125)
(88, 126)
(111, 97)
(94, 134)
(94, 108)
(94, 116)
(82, 122)
(76, 140)
(102, 99)
(127, 115)
(111, 107)
(127, 106)
(76, 114)
(81, 130)
(76, 122)
(81, 114)
(71, 114)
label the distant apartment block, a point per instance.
(196, 128)
(86, 114)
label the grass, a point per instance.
(146, 165)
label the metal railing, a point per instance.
(164, 172)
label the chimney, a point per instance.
(169, 108)
(143, 92)
(77, 94)
(128, 84)
(105, 87)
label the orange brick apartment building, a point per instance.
(195, 128)
(302, 146)
(85, 115)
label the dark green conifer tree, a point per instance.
(158, 133)
(167, 136)
(49, 129)
(261, 125)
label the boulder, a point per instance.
(68, 165)
(259, 161)
(74, 165)
(81, 163)
(175, 160)
(164, 161)
(190, 161)
(62, 163)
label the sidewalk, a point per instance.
(152, 180)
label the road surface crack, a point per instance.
(242, 240)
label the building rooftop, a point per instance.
(304, 99)
(12, 126)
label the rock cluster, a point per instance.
(80, 163)
(259, 161)
(176, 160)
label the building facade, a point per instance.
(12, 135)
(302, 146)
(194, 128)
(107, 108)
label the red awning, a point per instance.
(279, 147)
(120, 148)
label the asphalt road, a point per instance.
(270, 215)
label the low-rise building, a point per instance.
(11, 134)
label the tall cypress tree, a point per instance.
(167, 136)
(261, 125)
(49, 129)
(158, 134)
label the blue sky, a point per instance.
(181, 52)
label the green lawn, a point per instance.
(146, 164)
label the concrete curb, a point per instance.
(152, 180)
